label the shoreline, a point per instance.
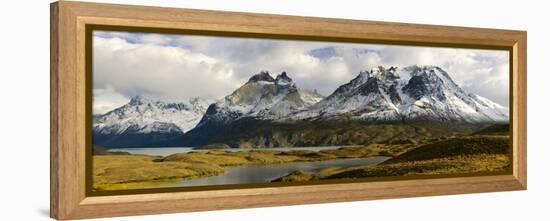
(131, 171)
(464, 154)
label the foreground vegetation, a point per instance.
(484, 151)
(464, 155)
(115, 172)
(119, 170)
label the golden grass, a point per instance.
(112, 172)
(449, 165)
(227, 158)
(465, 164)
(118, 172)
(454, 155)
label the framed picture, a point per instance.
(160, 110)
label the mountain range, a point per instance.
(429, 94)
(147, 121)
(271, 112)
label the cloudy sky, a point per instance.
(184, 66)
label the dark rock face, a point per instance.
(370, 82)
(262, 76)
(394, 95)
(354, 83)
(213, 114)
(426, 82)
(384, 74)
(375, 84)
(371, 87)
(416, 88)
(283, 77)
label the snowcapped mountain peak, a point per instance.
(141, 99)
(432, 72)
(145, 115)
(262, 76)
(371, 91)
(262, 97)
(366, 82)
(310, 97)
(265, 77)
(380, 95)
(283, 79)
(383, 74)
(431, 81)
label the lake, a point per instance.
(247, 174)
(165, 151)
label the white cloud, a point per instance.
(162, 71)
(156, 39)
(106, 98)
(183, 66)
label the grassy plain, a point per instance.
(125, 171)
(484, 151)
(463, 155)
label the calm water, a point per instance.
(165, 151)
(264, 173)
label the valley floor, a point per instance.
(479, 154)
(116, 170)
(451, 155)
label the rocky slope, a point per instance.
(268, 112)
(262, 97)
(429, 94)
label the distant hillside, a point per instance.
(457, 147)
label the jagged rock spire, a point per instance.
(283, 79)
(262, 76)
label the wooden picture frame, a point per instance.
(69, 198)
